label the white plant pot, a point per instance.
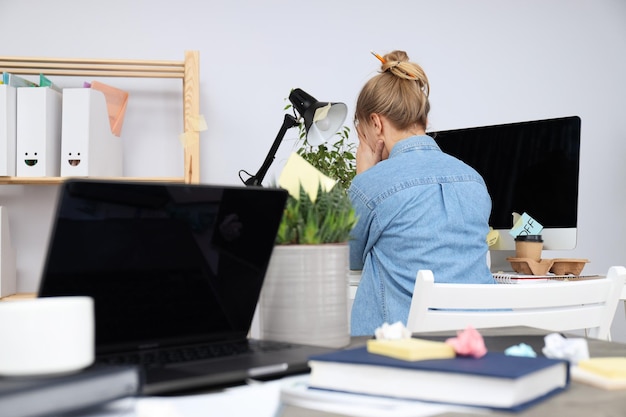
(305, 295)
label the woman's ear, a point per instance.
(377, 123)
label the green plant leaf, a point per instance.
(328, 219)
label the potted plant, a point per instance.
(305, 294)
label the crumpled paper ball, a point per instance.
(468, 342)
(559, 347)
(392, 331)
(521, 350)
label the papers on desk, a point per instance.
(514, 278)
(296, 393)
(257, 399)
(264, 400)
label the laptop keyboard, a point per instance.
(162, 357)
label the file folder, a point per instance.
(88, 147)
(38, 132)
(8, 124)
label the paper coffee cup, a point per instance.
(529, 246)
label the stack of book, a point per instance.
(494, 381)
(39, 396)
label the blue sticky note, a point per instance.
(526, 225)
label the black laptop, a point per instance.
(175, 271)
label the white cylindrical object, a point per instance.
(44, 336)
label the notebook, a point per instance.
(514, 278)
(171, 266)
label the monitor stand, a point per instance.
(499, 262)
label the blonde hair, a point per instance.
(399, 92)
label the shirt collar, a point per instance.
(412, 143)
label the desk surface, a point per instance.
(579, 400)
(262, 399)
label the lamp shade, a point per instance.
(321, 120)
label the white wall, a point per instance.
(489, 61)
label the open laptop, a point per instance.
(171, 266)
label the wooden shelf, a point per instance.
(59, 180)
(19, 296)
(188, 70)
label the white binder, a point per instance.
(38, 132)
(88, 147)
(8, 125)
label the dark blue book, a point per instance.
(494, 381)
(60, 395)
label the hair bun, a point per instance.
(392, 59)
(397, 56)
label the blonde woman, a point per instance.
(417, 207)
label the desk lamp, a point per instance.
(321, 121)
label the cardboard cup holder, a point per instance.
(557, 266)
(529, 266)
(567, 266)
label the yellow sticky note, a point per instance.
(609, 367)
(197, 123)
(321, 113)
(492, 236)
(188, 139)
(298, 171)
(411, 349)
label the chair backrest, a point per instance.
(588, 304)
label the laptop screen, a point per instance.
(164, 262)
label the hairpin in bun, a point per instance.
(380, 58)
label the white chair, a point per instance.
(553, 306)
(623, 297)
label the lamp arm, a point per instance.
(288, 122)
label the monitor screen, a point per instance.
(528, 167)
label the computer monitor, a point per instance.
(530, 167)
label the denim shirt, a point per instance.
(418, 209)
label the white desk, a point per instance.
(262, 399)
(258, 400)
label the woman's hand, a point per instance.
(368, 156)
